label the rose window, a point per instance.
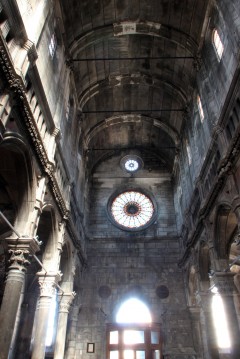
(132, 209)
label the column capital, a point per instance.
(224, 281)
(20, 250)
(65, 300)
(48, 282)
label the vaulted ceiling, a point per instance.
(134, 69)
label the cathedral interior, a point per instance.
(120, 179)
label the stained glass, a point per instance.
(132, 209)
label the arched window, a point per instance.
(218, 45)
(134, 336)
(133, 311)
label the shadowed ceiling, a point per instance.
(134, 69)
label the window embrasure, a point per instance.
(217, 43)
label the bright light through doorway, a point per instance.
(133, 311)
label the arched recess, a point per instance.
(46, 233)
(66, 268)
(16, 182)
(16, 193)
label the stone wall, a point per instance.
(131, 267)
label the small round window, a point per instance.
(131, 163)
(132, 209)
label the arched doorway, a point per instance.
(133, 336)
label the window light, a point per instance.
(218, 45)
(52, 45)
(200, 108)
(133, 311)
(188, 153)
(220, 323)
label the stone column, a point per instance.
(210, 341)
(20, 250)
(224, 281)
(65, 301)
(47, 282)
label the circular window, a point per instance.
(131, 163)
(132, 209)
